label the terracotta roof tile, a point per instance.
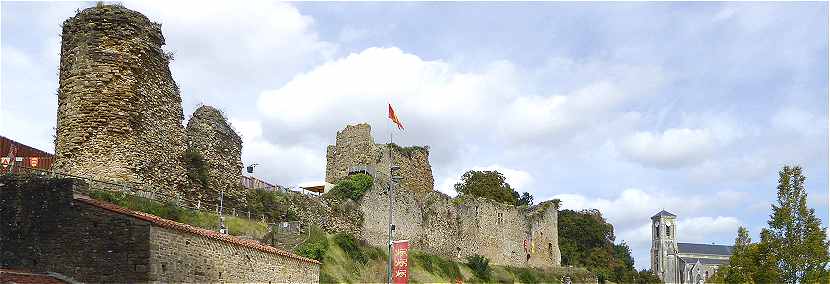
(170, 224)
(8, 276)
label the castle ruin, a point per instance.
(434, 222)
(120, 115)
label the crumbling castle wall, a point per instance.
(354, 146)
(434, 222)
(119, 111)
(212, 140)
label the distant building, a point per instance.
(258, 184)
(675, 262)
(318, 187)
(14, 154)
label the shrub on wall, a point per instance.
(353, 187)
(480, 266)
(196, 167)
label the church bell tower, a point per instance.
(664, 247)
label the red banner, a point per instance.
(400, 261)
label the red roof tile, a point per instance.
(170, 224)
(8, 276)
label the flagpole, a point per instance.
(391, 184)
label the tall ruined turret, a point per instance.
(119, 110)
(355, 149)
(211, 139)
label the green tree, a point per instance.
(795, 234)
(794, 249)
(647, 277)
(489, 184)
(587, 240)
(526, 199)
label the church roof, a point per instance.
(704, 249)
(663, 213)
(704, 261)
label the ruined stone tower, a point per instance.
(119, 110)
(211, 138)
(355, 148)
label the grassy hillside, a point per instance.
(346, 260)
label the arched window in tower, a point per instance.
(656, 230)
(668, 230)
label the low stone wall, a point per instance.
(183, 257)
(44, 229)
(41, 230)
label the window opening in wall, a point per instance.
(550, 250)
(668, 231)
(163, 267)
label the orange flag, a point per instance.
(394, 117)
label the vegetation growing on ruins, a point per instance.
(272, 205)
(210, 221)
(794, 249)
(480, 266)
(196, 167)
(353, 187)
(408, 151)
(492, 185)
(587, 240)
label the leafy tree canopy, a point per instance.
(794, 249)
(492, 185)
(587, 240)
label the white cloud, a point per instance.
(671, 148)
(706, 229)
(287, 165)
(259, 43)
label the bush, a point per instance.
(353, 187)
(313, 250)
(351, 247)
(436, 264)
(480, 266)
(315, 246)
(273, 205)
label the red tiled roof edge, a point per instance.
(21, 276)
(170, 224)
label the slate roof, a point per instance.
(704, 249)
(170, 224)
(693, 260)
(663, 213)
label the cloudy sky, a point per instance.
(625, 107)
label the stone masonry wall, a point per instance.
(434, 222)
(220, 148)
(42, 230)
(181, 257)
(119, 111)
